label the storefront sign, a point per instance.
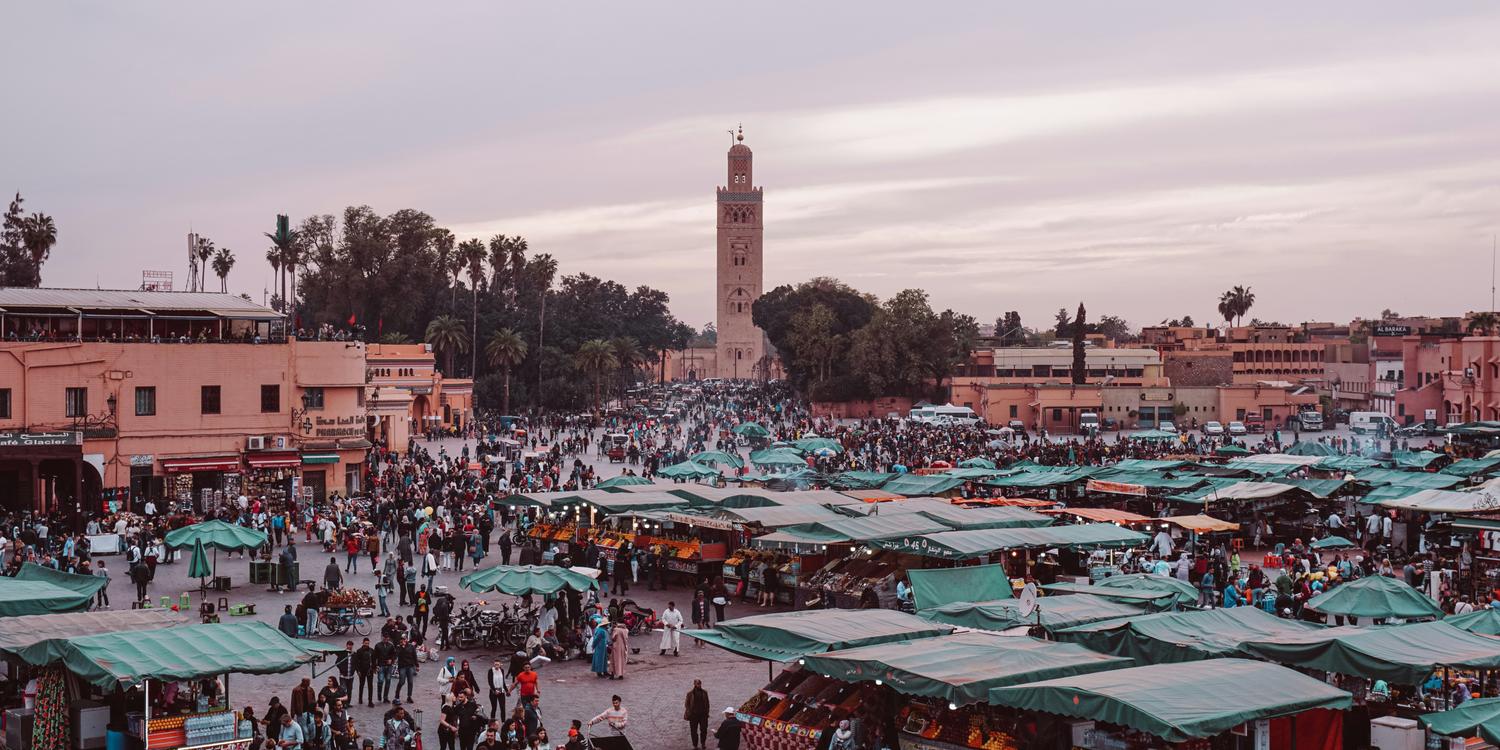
(710, 523)
(142, 460)
(39, 439)
(1116, 488)
(682, 566)
(1392, 330)
(337, 427)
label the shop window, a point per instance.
(270, 399)
(4, 403)
(76, 403)
(209, 399)
(145, 401)
(1014, 411)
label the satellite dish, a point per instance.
(1028, 600)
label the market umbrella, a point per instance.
(1375, 596)
(218, 535)
(1231, 450)
(1479, 715)
(520, 580)
(819, 445)
(1333, 542)
(1153, 435)
(198, 566)
(978, 462)
(718, 457)
(751, 430)
(777, 457)
(624, 480)
(687, 470)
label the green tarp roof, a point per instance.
(1415, 459)
(1178, 702)
(962, 545)
(1479, 716)
(1421, 480)
(1445, 501)
(688, 470)
(29, 630)
(520, 580)
(860, 480)
(623, 480)
(1185, 593)
(977, 462)
(777, 516)
(922, 485)
(1036, 479)
(777, 457)
(218, 535)
(793, 537)
(1261, 468)
(1147, 464)
(897, 507)
(1345, 463)
(1482, 621)
(81, 584)
(936, 587)
(1063, 611)
(1150, 479)
(1170, 637)
(785, 636)
(1389, 492)
(1468, 467)
(188, 652)
(1375, 596)
(619, 502)
(961, 668)
(1152, 601)
(1205, 493)
(1319, 488)
(1333, 542)
(21, 597)
(1403, 654)
(875, 527)
(1310, 448)
(996, 517)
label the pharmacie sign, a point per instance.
(39, 439)
(337, 427)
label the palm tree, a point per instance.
(628, 355)
(595, 357)
(505, 350)
(508, 258)
(273, 256)
(223, 261)
(205, 251)
(442, 243)
(473, 254)
(1484, 323)
(1244, 299)
(1226, 307)
(284, 248)
(447, 335)
(395, 337)
(39, 234)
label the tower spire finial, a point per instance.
(740, 136)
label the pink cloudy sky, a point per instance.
(1339, 157)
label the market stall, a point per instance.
(38, 591)
(788, 636)
(523, 580)
(1170, 637)
(1377, 598)
(178, 676)
(229, 537)
(1052, 613)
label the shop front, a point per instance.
(272, 477)
(41, 472)
(200, 483)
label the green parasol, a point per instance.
(819, 445)
(977, 462)
(520, 580)
(751, 430)
(624, 480)
(198, 566)
(718, 457)
(1231, 450)
(687, 470)
(1333, 542)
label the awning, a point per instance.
(1200, 523)
(1151, 601)
(1375, 596)
(203, 463)
(1468, 467)
(785, 636)
(936, 587)
(110, 660)
(1178, 702)
(1418, 479)
(921, 485)
(1482, 621)
(1101, 515)
(28, 630)
(777, 516)
(999, 517)
(216, 534)
(1403, 654)
(794, 537)
(875, 527)
(320, 458)
(1128, 586)
(1479, 716)
(1446, 501)
(963, 545)
(960, 668)
(279, 460)
(1169, 637)
(1054, 612)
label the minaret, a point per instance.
(741, 271)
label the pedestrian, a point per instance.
(272, 722)
(599, 646)
(728, 733)
(421, 608)
(345, 665)
(695, 712)
(701, 616)
(291, 734)
(619, 649)
(719, 596)
(364, 668)
(288, 623)
(406, 663)
(671, 629)
(616, 717)
(429, 566)
(399, 733)
(140, 575)
(333, 578)
(495, 678)
(102, 601)
(382, 590)
(504, 548)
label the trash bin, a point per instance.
(288, 575)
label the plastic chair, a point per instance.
(166, 602)
(223, 603)
(185, 601)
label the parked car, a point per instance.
(1255, 423)
(1110, 423)
(1237, 428)
(1213, 429)
(1167, 427)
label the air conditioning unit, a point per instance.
(255, 443)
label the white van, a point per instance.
(1371, 421)
(1088, 422)
(923, 414)
(955, 415)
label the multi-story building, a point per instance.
(109, 395)
(408, 395)
(1449, 379)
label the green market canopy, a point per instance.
(1479, 716)
(122, 659)
(1375, 596)
(861, 480)
(876, 527)
(1475, 429)
(81, 584)
(1319, 488)
(1310, 448)
(21, 597)
(960, 668)
(777, 457)
(1333, 542)
(1185, 593)
(777, 516)
(751, 430)
(936, 587)
(1148, 464)
(995, 517)
(622, 502)
(1418, 460)
(717, 457)
(623, 480)
(1468, 467)
(1044, 479)
(520, 580)
(1056, 612)
(819, 445)
(1153, 435)
(1403, 654)
(218, 535)
(29, 630)
(1178, 702)
(922, 485)
(688, 470)
(1418, 479)
(786, 636)
(795, 538)
(1231, 450)
(1170, 637)
(1482, 621)
(980, 462)
(1345, 463)
(964, 545)
(1445, 501)
(1150, 601)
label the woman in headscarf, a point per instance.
(1184, 566)
(619, 648)
(600, 646)
(447, 673)
(843, 737)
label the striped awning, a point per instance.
(200, 463)
(320, 458)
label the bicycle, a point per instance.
(342, 620)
